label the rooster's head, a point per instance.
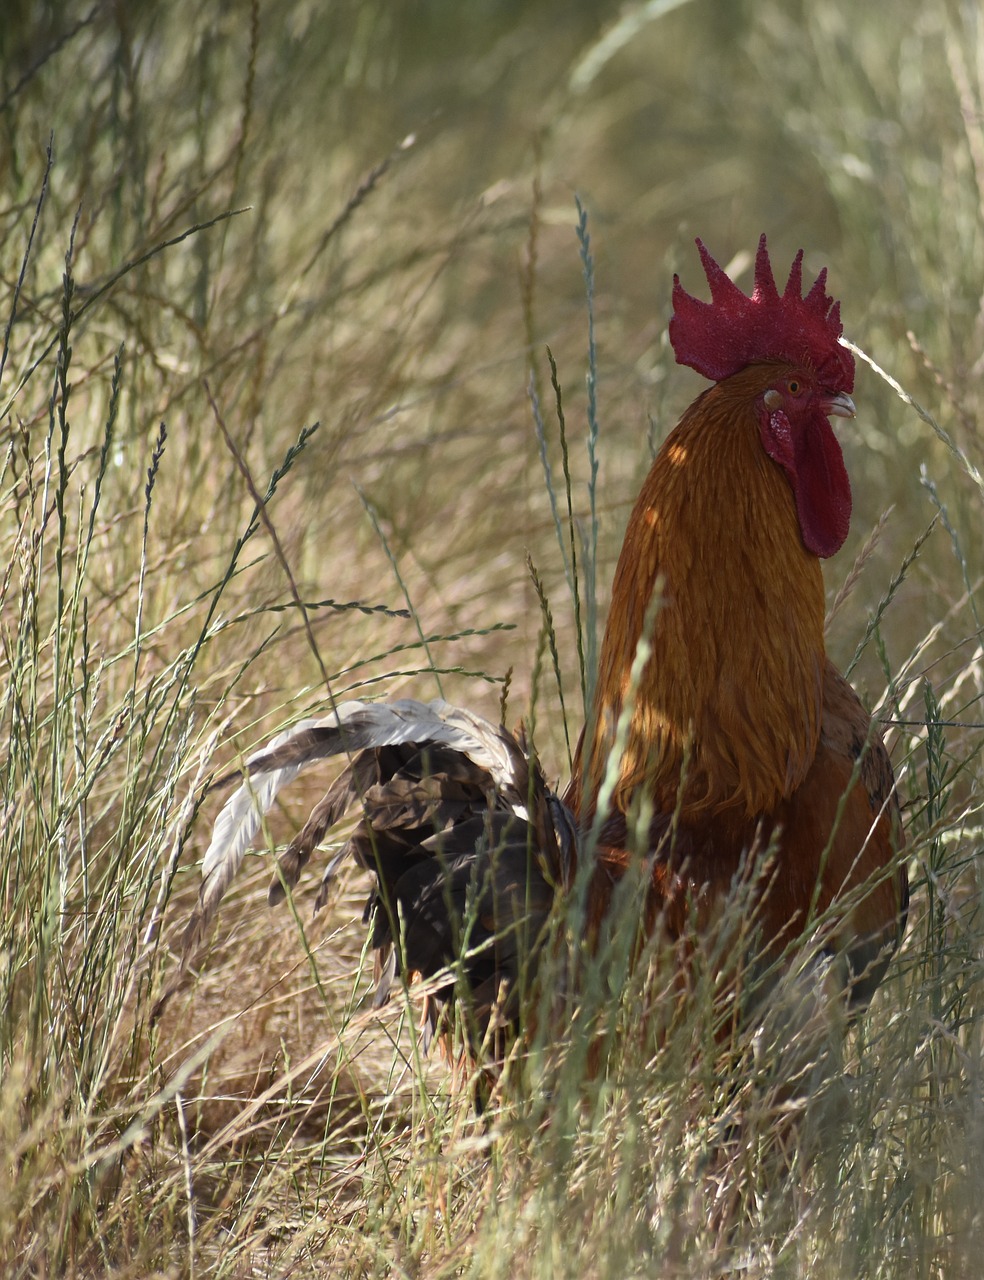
(806, 376)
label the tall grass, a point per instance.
(262, 278)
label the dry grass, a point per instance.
(404, 251)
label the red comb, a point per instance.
(719, 337)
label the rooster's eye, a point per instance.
(794, 386)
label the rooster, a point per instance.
(720, 732)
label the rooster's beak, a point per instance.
(839, 405)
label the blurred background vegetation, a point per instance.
(401, 250)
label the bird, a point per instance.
(722, 746)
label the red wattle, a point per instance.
(821, 487)
(811, 456)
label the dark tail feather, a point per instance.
(465, 842)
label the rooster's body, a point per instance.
(740, 738)
(741, 728)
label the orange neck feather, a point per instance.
(734, 682)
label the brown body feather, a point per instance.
(734, 681)
(831, 845)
